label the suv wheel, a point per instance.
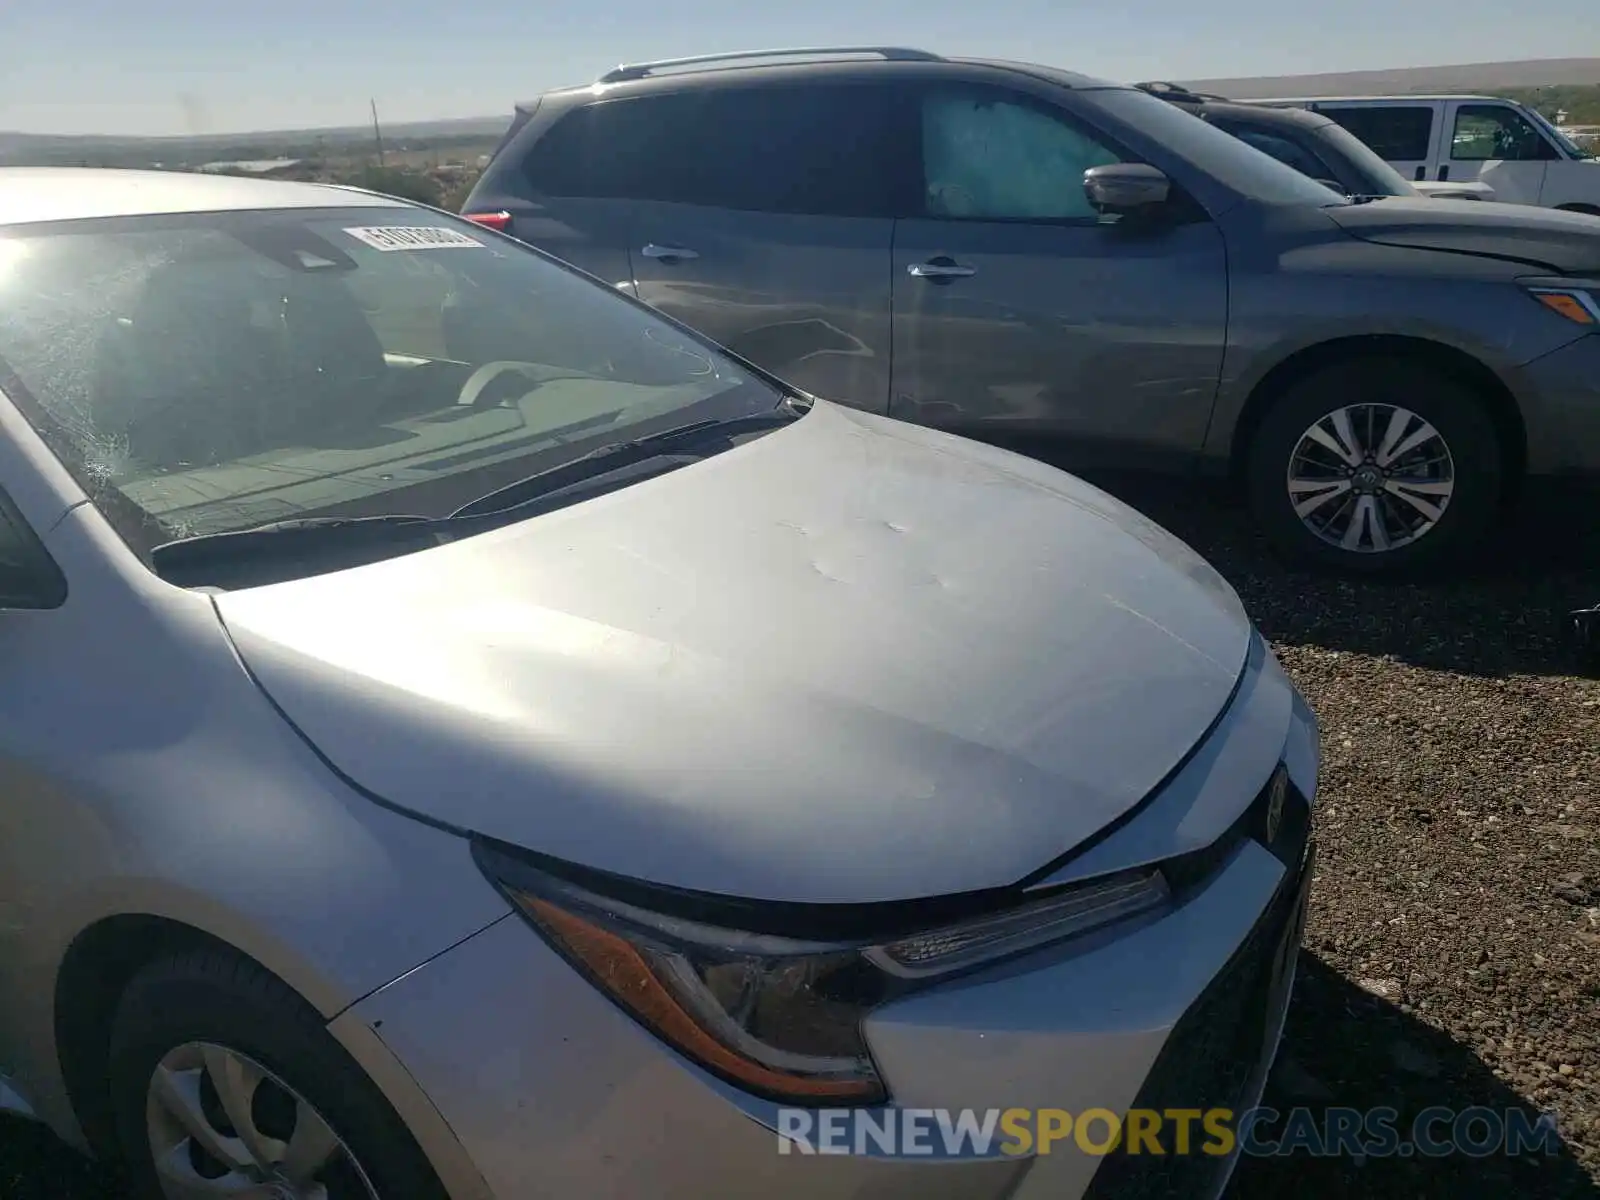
(1375, 466)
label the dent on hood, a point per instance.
(1171, 550)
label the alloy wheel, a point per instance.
(221, 1125)
(1371, 478)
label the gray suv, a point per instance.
(1005, 249)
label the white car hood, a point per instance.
(850, 661)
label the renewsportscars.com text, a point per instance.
(1217, 1132)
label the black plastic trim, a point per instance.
(30, 579)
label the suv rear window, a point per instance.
(1399, 133)
(821, 151)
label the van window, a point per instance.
(1399, 132)
(1492, 131)
(822, 151)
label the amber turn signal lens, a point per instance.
(624, 973)
(1570, 305)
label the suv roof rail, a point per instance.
(1176, 92)
(628, 71)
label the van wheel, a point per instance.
(1590, 209)
(224, 1083)
(1375, 466)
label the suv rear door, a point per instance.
(1016, 307)
(765, 220)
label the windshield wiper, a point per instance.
(330, 542)
(334, 543)
(615, 456)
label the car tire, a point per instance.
(213, 1023)
(1288, 448)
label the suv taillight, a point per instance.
(500, 222)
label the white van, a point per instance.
(1460, 139)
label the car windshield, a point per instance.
(1378, 178)
(209, 373)
(1236, 165)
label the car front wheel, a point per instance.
(226, 1084)
(1376, 467)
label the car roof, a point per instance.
(1260, 113)
(1402, 99)
(799, 67)
(1208, 105)
(33, 194)
(1280, 117)
(1071, 79)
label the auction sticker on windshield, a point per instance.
(413, 237)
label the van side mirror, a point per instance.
(29, 577)
(1126, 187)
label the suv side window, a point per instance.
(814, 151)
(611, 149)
(1399, 133)
(807, 151)
(989, 158)
(1289, 152)
(1490, 131)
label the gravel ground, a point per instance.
(1453, 952)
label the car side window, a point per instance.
(987, 158)
(613, 149)
(1285, 150)
(1489, 131)
(1398, 132)
(29, 578)
(804, 151)
(813, 151)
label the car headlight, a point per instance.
(735, 987)
(1576, 304)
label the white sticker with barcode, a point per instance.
(414, 237)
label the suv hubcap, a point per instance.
(1370, 478)
(220, 1124)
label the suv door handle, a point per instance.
(940, 268)
(669, 253)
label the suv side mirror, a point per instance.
(29, 577)
(1126, 187)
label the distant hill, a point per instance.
(55, 148)
(1467, 77)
